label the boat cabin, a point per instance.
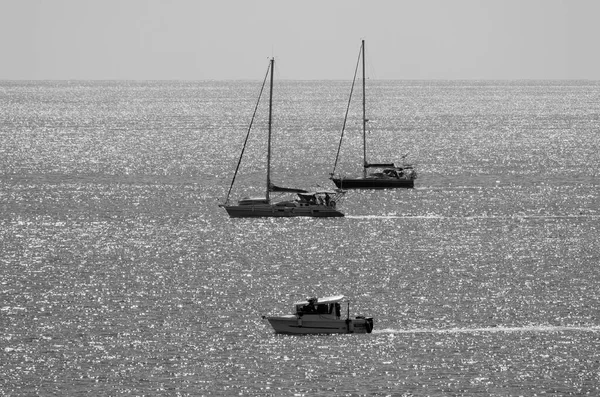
(317, 198)
(395, 173)
(324, 307)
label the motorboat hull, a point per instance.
(305, 325)
(273, 210)
(373, 183)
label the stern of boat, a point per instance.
(362, 325)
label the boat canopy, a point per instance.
(327, 299)
(381, 165)
(310, 194)
(274, 188)
(253, 201)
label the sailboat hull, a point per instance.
(275, 211)
(373, 183)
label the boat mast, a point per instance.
(269, 139)
(364, 113)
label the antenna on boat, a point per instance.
(348, 314)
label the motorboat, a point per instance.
(321, 316)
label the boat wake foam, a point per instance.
(392, 216)
(531, 328)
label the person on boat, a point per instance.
(327, 199)
(310, 307)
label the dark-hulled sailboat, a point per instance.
(318, 203)
(375, 175)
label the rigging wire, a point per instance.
(248, 133)
(347, 110)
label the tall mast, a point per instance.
(364, 113)
(269, 139)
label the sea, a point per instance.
(122, 275)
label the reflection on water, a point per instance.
(121, 275)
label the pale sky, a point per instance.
(310, 39)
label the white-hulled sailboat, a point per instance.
(317, 203)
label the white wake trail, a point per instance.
(531, 328)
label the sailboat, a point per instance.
(375, 175)
(317, 203)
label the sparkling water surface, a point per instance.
(122, 276)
